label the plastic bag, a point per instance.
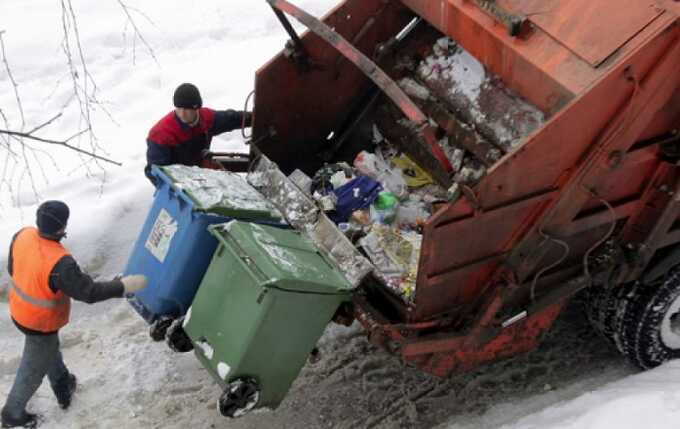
(322, 181)
(413, 175)
(412, 213)
(375, 167)
(356, 194)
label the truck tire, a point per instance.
(651, 323)
(605, 309)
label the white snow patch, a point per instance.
(125, 380)
(223, 370)
(414, 89)
(647, 400)
(460, 67)
(187, 317)
(207, 349)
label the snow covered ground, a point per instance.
(574, 380)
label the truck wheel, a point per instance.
(240, 396)
(177, 338)
(159, 327)
(651, 326)
(605, 308)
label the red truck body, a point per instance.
(497, 265)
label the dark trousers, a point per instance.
(41, 357)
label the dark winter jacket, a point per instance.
(67, 277)
(171, 141)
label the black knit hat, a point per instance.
(52, 216)
(187, 96)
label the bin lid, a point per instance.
(284, 255)
(220, 192)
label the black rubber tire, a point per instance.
(642, 323)
(239, 397)
(605, 309)
(159, 327)
(177, 339)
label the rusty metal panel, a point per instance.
(672, 6)
(539, 68)
(457, 263)
(304, 104)
(382, 80)
(471, 233)
(447, 355)
(466, 245)
(666, 119)
(543, 161)
(594, 29)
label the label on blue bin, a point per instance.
(158, 242)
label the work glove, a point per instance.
(134, 283)
(206, 154)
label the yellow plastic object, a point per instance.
(414, 176)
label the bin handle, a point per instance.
(184, 198)
(248, 262)
(241, 256)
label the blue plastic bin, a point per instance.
(174, 249)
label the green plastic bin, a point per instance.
(264, 302)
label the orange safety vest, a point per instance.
(32, 303)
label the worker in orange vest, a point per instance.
(44, 279)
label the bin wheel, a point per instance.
(159, 327)
(240, 397)
(177, 338)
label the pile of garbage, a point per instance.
(380, 203)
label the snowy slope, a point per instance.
(573, 381)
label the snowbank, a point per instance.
(127, 381)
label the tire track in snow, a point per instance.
(358, 385)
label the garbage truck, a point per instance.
(549, 136)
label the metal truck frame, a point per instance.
(590, 200)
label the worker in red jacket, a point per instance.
(183, 136)
(44, 278)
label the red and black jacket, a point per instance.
(171, 141)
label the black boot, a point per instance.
(64, 391)
(28, 420)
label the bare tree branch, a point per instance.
(28, 170)
(57, 116)
(127, 9)
(6, 138)
(21, 112)
(11, 79)
(61, 143)
(21, 161)
(33, 152)
(69, 16)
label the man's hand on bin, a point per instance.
(206, 154)
(134, 283)
(207, 160)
